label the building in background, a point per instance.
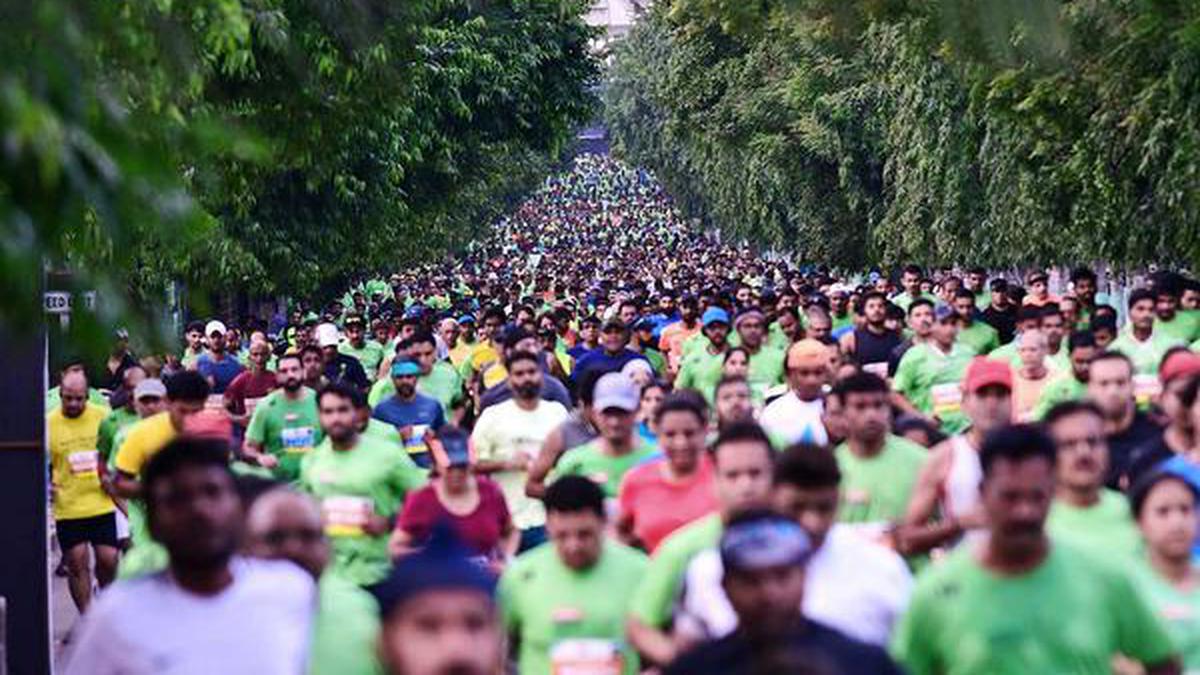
(616, 17)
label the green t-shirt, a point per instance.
(1184, 328)
(370, 355)
(109, 426)
(442, 383)
(571, 621)
(286, 429)
(590, 461)
(660, 586)
(373, 477)
(701, 370)
(765, 372)
(875, 490)
(345, 630)
(1106, 528)
(903, 300)
(979, 337)
(1178, 610)
(931, 380)
(846, 319)
(1146, 356)
(1069, 615)
(1062, 388)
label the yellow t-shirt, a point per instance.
(485, 360)
(143, 440)
(75, 464)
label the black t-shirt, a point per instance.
(1146, 457)
(1004, 322)
(1142, 432)
(811, 648)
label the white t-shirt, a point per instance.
(505, 431)
(851, 585)
(259, 625)
(794, 420)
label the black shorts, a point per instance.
(98, 530)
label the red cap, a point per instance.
(1178, 364)
(983, 372)
(209, 423)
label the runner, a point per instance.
(1110, 386)
(552, 389)
(285, 426)
(742, 460)
(910, 281)
(1000, 313)
(765, 557)
(361, 483)
(1179, 376)
(243, 395)
(665, 494)
(979, 336)
(1032, 377)
(700, 368)
(194, 333)
(613, 352)
(124, 412)
(920, 331)
(285, 525)
(1016, 582)
(676, 333)
(733, 403)
(211, 611)
(795, 417)
(338, 367)
(929, 374)
(1144, 347)
(564, 603)
(879, 470)
(314, 366)
(1084, 512)
(414, 415)
(368, 351)
(1072, 385)
(872, 344)
(948, 484)
(508, 437)
(84, 522)
(216, 364)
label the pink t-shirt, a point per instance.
(659, 506)
(479, 530)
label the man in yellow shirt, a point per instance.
(83, 512)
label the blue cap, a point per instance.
(762, 542)
(453, 447)
(466, 318)
(405, 366)
(443, 564)
(714, 315)
(942, 312)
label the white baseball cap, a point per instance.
(614, 390)
(215, 326)
(327, 335)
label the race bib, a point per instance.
(586, 656)
(879, 368)
(947, 398)
(297, 440)
(416, 443)
(1146, 388)
(346, 516)
(215, 402)
(83, 462)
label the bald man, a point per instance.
(83, 512)
(796, 417)
(1033, 375)
(286, 525)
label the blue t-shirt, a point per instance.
(423, 413)
(222, 372)
(599, 360)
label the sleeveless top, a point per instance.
(960, 491)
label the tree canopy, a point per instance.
(270, 145)
(879, 131)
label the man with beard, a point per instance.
(675, 334)
(284, 426)
(766, 363)
(700, 369)
(1018, 584)
(872, 344)
(361, 482)
(1072, 386)
(211, 611)
(412, 413)
(508, 436)
(368, 352)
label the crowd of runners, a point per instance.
(600, 442)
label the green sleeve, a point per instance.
(914, 639)
(906, 373)
(656, 593)
(256, 430)
(406, 477)
(1140, 635)
(687, 376)
(378, 392)
(506, 595)
(105, 435)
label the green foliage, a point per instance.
(878, 131)
(270, 145)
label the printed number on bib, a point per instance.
(1145, 388)
(83, 462)
(346, 516)
(586, 656)
(947, 398)
(297, 439)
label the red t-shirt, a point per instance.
(249, 386)
(479, 530)
(659, 506)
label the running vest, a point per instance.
(960, 490)
(870, 348)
